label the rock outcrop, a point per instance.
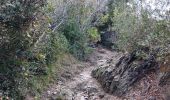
(118, 79)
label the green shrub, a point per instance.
(15, 39)
(56, 45)
(94, 35)
(135, 29)
(76, 38)
(75, 28)
(29, 48)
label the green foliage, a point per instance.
(18, 14)
(136, 29)
(75, 29)
(76, 38)
(57, 45)
(94, 35)
(15, 20)
(124, 24)
(39, 70)
(105, 18)
(29, 47)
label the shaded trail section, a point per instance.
(82, 86)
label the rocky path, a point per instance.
(82, 86)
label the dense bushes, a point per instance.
(15, 39)
(33, 37)
(76, 38)
(28, 48)
(75, 28)
(136, 25)
(94, 35)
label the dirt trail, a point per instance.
(82, 86)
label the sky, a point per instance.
(156, 7)
(159, 4)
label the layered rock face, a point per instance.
(118, 79)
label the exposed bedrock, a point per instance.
(118, 78)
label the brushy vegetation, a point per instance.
(137, 25)
(15, 40)
(36, 33)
